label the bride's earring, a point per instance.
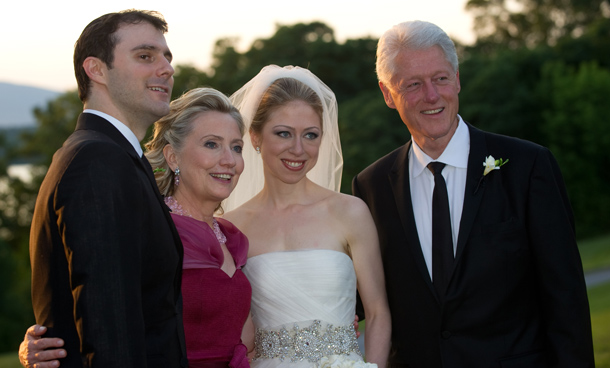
(177, 176)
(258, 150)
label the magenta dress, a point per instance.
(216, 305)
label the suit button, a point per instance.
(446, 334)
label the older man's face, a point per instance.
(424, 90)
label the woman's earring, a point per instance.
(258, 150)
(177, 176)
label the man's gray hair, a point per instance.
(412, 35)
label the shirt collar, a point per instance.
(455, 154)
(127, 133)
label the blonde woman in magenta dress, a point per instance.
(196, 151)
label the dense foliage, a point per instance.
(550, 85)
(530, 23)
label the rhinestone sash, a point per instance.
(309, 343)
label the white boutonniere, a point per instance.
(491, 163)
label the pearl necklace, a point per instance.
(178, 210)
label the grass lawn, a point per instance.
(599, 301)
(595, 253)
(9, 360)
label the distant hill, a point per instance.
(17, 103)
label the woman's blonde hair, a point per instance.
(175, 127)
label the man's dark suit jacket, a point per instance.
(517, 296)
(106, 256)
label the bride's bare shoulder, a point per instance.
(347, 206)
(241, 215)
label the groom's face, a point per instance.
(424, 90)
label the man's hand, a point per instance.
(33, 353)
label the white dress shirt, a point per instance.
(455, 157)
(127, 133)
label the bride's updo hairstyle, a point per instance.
(175, 127)
(279, 93)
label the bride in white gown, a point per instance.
(311, 247)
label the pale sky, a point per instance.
(38, 37)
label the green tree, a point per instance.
(299, 44)
(15, 215)
(499, 92)
(348, 68)
(17, 198)
(290, 45)
(54, 124)
(186, 78)
(593, 45)
(576, 122)
(369, 130)
(518, 23)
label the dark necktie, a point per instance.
(442, 239)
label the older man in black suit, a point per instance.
(106, 257)
(476, 230)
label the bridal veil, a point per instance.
(328, 169)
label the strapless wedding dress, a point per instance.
(303, 308)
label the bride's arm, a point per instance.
(363, 242)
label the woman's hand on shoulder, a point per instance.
(33, 351)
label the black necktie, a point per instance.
(442, 239)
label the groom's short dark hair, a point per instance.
(98, 39)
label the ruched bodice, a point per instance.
(310, 294)
(216, 305)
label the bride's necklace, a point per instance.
(178, 210)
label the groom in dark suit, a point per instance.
(106, 257)
(481, 263)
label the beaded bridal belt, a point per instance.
(309, 343)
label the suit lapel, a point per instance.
(99, 124)
(166, 212)
(94, 122)
(401, 188)
(475, 187)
